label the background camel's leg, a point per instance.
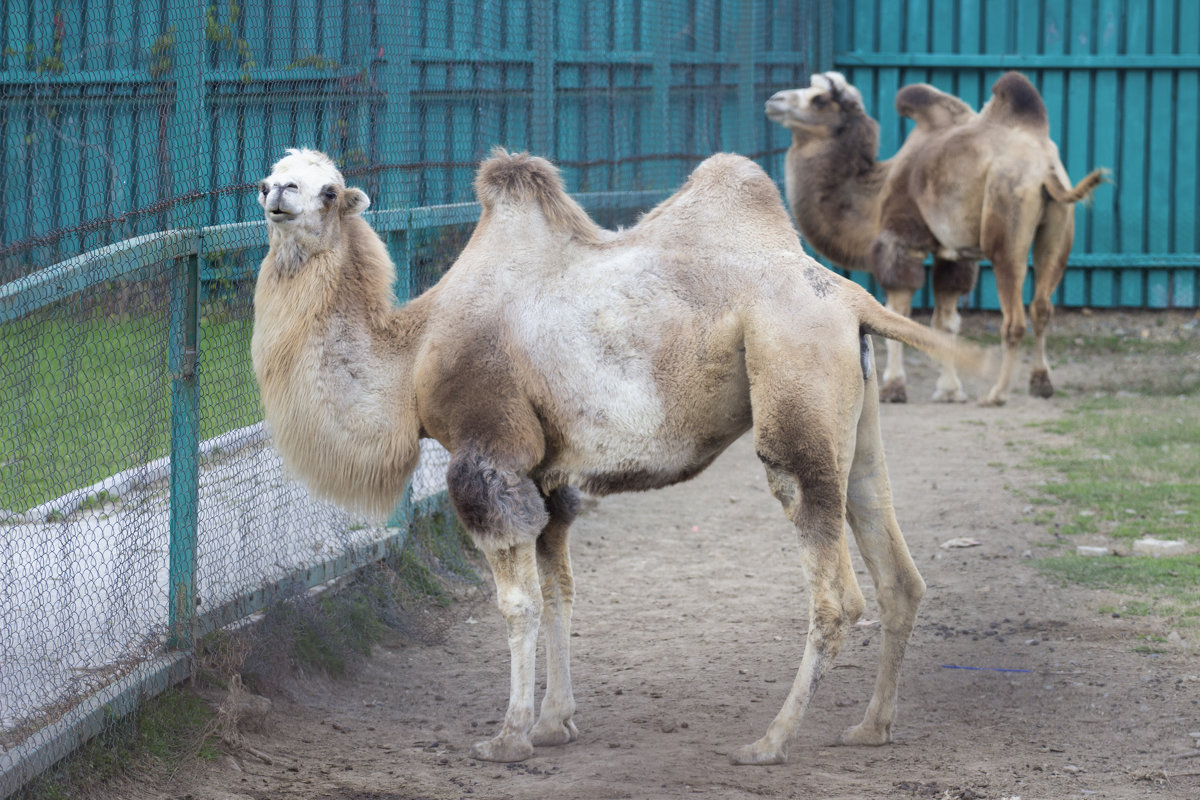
(1007, 232)
(951, 280)
(1051, 247)
(898, 585)
(555, 725)
(520, 601)
(894, 391)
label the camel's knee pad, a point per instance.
(499, 506)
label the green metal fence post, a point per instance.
(185, 449)
(541, 128)
(186, 145)
(750, 132)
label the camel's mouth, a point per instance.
(279, 215)
(776, 110)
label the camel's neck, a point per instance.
(834, 191)
(334, 360)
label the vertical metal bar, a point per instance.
(825, 35)
(186, 146)
(544, 58)
(749, 132)
(185, 448)
(395, 136)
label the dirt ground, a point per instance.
(689, 624)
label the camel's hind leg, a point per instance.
(555, 724)
(1051, 246)
(951, 280)
(804, 437)
(898, 585)
(1008, 228)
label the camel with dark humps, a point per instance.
(964, 186)
(555, 354)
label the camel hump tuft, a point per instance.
(1015, 101)
(519, 179)
(731, 169)
(516, 178)
(930, 107)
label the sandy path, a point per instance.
(689, 626)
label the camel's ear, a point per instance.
(354, 201)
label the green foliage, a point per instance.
(221, 34)
(162, 54)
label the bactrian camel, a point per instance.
(963, 186)
(555, 354)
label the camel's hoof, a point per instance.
(503, 748)
(865, 736)
(949, 396)
(553, 734)
(893, 392)
(759, 754)
(989, 401)
(1039, 384)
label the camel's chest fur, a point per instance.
(335, 406)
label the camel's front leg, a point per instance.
(556, 723)
(520, 601)
(951, 280)
(504, 512)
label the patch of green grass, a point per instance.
(1130, 471)
(1167, 587)
(175, 725)
(83, 399)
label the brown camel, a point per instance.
(964, 186)
(556, 354)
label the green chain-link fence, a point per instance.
(141, 504)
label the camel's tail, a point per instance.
(1064, 193)
(882, 321)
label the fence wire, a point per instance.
(134, 133)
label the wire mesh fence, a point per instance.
(141, 503)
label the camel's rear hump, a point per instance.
(1015, 101)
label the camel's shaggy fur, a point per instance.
(964, 186)
(556, 354)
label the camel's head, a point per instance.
(306, 196)
(826, 103)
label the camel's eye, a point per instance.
(820, 101)
(265, 190)
(329, 193)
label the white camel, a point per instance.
(555, 354)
